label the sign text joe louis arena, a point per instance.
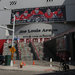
(37, 30)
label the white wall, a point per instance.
(60, 28)
(34, 26)
(30, 3)
(5, 16)
(2, 33)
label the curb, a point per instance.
(46, 70)
(12, 70)
(32, 69)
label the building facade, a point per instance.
(46, 28)
(37, 21)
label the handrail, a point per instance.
(35, 50)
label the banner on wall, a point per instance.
(42, 14)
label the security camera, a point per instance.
(5, 8)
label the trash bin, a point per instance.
(7, 60)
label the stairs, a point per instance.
(24, 51)
(34, 51)
(39, 47)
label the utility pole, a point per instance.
(13, 31)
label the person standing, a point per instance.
(48, 14)
(58, 13)
(25, 16)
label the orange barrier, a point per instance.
(24, 64)
(33, 62)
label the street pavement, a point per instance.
(29, 68)
(39, 68)
(5, 72)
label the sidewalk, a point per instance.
(39, 66)
(29, 68)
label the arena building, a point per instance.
(38, 20)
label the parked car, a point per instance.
(1, 59)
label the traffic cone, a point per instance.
(33, 62)
(24, 64)
(14, 62)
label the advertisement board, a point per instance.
(42, 14)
